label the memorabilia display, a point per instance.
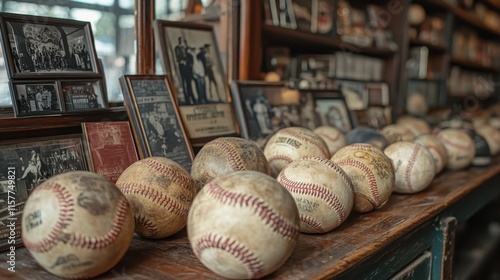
(156, 123)
(35, 98)
(333, 137)
(60, 221)
(161, 192)
(355, 94)
(459, 146)
(302, 13)
(110, 147)
(331, 109)
(24, 165)
(190, 57)
(83, 95)
(278, 60)
(436, 148)
(282, 13)
(416, 65)
(378, 94)
(322, 16)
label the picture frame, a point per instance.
(83, 95)
(201, 90)
(378, 94)
(25, 164)
(35, 98)
(156, 122)
(332, 110)
(44, 47)
(109, 147)
(355, 94)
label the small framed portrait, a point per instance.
(156, 122)
(331, 109)
(39, 47)
(190, 56)
(378, 94)
(83, 95)
(35, 98)
(355, 94)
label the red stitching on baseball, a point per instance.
(151, 228)
(443, 139)
(409, 167)
(233, 156)
(65, 217)
(155, 196)
(438, 151)
(173, 174)
(279, 157)
(314, 190)
(313, 223)
(260, 207)
(312, 140)
(332, 165)
(233, 247)
(372, 181)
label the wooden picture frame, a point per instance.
(109, 147)
(35, 98)
(83, 95)
(332, 110)
(43, 47)
(25, 164)
(156, 122)
(191, 59)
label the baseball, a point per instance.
(459, 147)
(436, 148)
(492, 137)
(333, 137)
(322, 191)
(395, 133)
(368, 135)
(77, 224)
(371, 173)
(413, 166)
(243, 225)
(160, 192)
(415, 125)
(291, 143)
(226, 154)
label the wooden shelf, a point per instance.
(431, 47)
(472, 65)
(440, 5)
(473, 20)
(493, 4)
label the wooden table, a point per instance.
(418, 228)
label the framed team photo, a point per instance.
(331, 109)
(191, 59)
(35, 98)
(83, 95)
(40, 47)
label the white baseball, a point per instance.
(322, 191)
(291, 143)
(371, 173)
(436, 148)
(243, 225)
(333, 137)
(492, 137)
(459, 147)
(397, 132)
(415, 125)
(77, 224)
(413, 166)
(160, 192)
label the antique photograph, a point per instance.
(83, 95)
(109, 147)
(42, 46)
(156, 121)
(332, 110)
(35, 98)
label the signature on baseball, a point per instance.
(33, 220)
(69, 261)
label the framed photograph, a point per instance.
(378, 94)
(35, 98)
(83, 95)
(355, 94)
(39, 47)
(25, 165)
(190, 56)
(331, 109)
(109, 147)
(156, 122)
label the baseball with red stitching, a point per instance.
(413, 166)
(333, 137)
(416, 126)
(371, 173)
(160, 192)
(395, 133)
(291, 143)
(243, 225)
(492, 137)
(459, 147)
(227, 154)
(436, 148)
(77, 224)
(322, 191)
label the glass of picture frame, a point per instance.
(83, 95)
(332, 110)
(39, 97)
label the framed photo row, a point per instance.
(48, 97)
(191, 59)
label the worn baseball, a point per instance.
(395, 133)
(371, 173)
(243, 225)
(227, 154)
(492, 137)
(367, 135)
(77, 224)
(322, 191)
(416, 126)
(436, 148)
(291, 143)
(160, 192)
(459, 147)
(413, 166)
(333, 137)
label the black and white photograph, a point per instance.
(83, 95)
(36, 98)
(331, 109)
(41, 46)
(156, 120)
